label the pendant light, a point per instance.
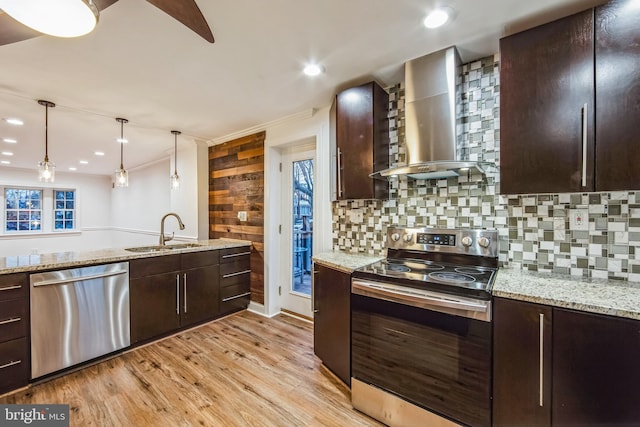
(46, 169)
(61, 18)
(175, 179)
(122, 176)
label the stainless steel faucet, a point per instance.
(164, 238)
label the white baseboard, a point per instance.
(256, 308)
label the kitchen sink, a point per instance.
(158, 248)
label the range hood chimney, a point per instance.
(431, 108)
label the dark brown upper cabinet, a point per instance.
(361, 125)
(570, 96)
(546, 104)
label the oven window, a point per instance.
(437, 361)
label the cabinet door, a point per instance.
(618, 91)
(362, 135)
(521, 363)
(155, 305)
(200, 289)
(332, 320)
(546, 79)
(595, 370)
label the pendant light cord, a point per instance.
(121, 144)
(46, 133)
(175, 150)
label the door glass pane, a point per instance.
(302, 225)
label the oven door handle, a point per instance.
(416, 299)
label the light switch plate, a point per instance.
(579, 219)
(242, 215)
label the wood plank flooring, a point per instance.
(243, 370)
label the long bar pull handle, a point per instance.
(237, 273)
(7, 365)
(11, 320)
(80, 278)
(313, 291)
(184, 277)
(177, 294)
(10, 288)
(541, 357)
(339, 173)
(584, 144)
(236, 296)
(235, 255)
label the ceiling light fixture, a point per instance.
(175, 179)
(7, 153)
(10, 140)
(14, 121)
(437, 17)
(122, 176)
(73, 168)
(84, 162)
(46, 169)
(313, 70)
(61, 18)
(99, 153)
(5, 162)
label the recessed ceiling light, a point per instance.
(437, 17)
(7, 153)
(123, 140)
(313, 70)
(99, 153)
(5, 162)
(14, 121)
(73, 168)
(84, 162)
(10, 140)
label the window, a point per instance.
(23, 208)
(64, 211)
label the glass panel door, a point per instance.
(302, 221)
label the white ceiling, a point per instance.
(143, 65)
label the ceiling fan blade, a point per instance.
(12, 31)
(188, 13)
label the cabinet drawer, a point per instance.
(233, 291)
(231, 279)
(235, 302)
(14, 365)
(199, 259)
(232, 268)
(13, 319)
(233, 254)
(153, 265)
(14, 286)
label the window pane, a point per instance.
(12, 225)
(68, 215)
(70, 195)
(23, 209)
(59, 225)
(68, 225)
(12, 215)
(69, 204)
(23, 225)
(59, 195)
(23, 215)
(59, 204)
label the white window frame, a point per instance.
(54, 209)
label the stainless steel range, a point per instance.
(421, 331)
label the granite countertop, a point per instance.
(57, 260)
(344, 261)
(610, 297)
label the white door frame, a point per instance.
(289, 300)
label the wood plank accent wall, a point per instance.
(236, 183)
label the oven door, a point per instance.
(438, 361)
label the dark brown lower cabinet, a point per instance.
(596, 370)
(521, 352)
(560, 367)
(15, 364)
(235, 279)
(332, 320)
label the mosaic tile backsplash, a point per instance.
(536, 231)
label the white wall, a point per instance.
(92, 210)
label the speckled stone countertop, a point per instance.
(611, 297)
(344, 261)
(58, 260)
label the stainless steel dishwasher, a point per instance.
(77, 315)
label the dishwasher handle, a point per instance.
(80, 278)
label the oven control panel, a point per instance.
(460, 241)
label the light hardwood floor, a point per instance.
(243, 370)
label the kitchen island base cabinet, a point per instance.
(15, 364)
(585, 364)
(332, 320)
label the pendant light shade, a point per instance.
(122, 176)
(61, 18)
(175, 179)
(46, 169)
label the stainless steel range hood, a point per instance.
(431, 108)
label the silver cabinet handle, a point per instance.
(177, 294)
(584, 145)
(10, 288)
(15, 362)
(236, 273)
(80, 278)
(339, 173)
(184, 276)
(11, 320)
(235, 255)
(236, 296)
(541, 357)
(313, 291)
